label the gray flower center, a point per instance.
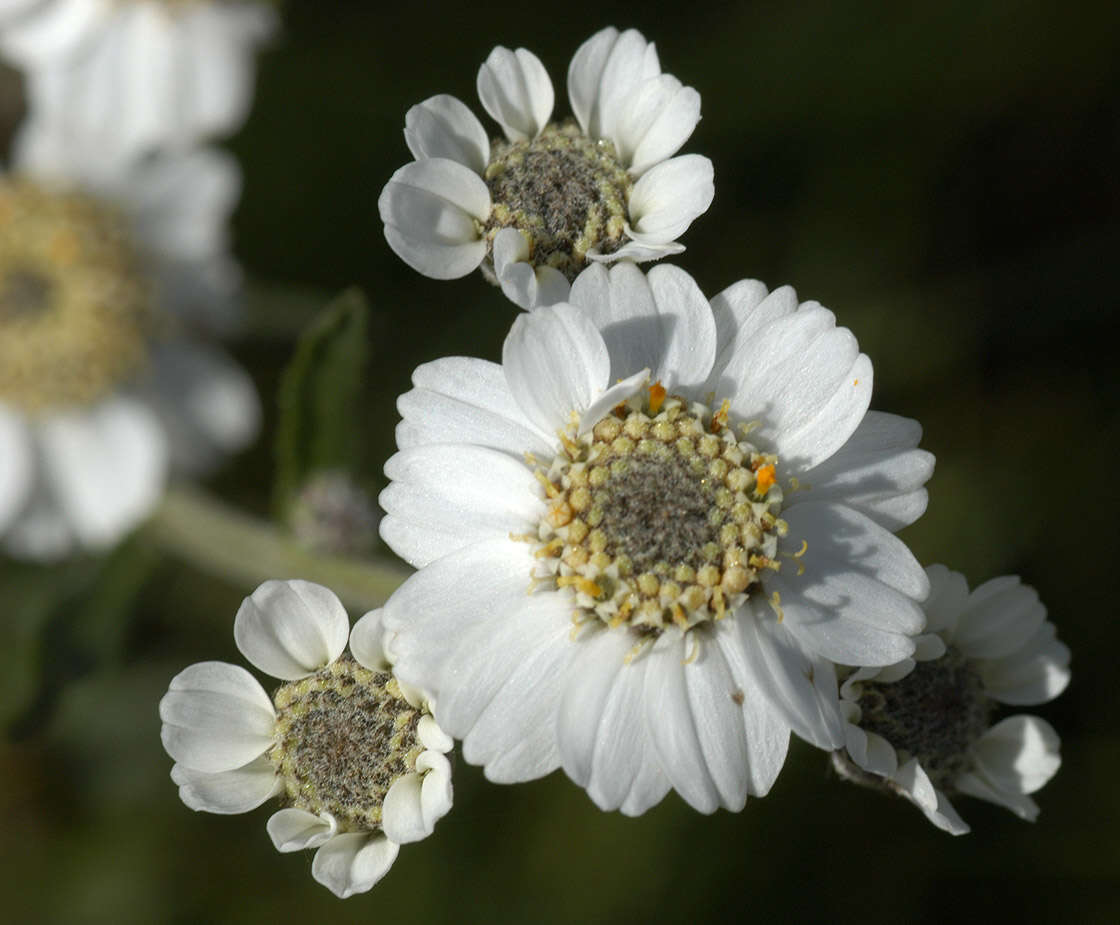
(344, 736)
(936, 714)
(567, 193)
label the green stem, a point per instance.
(246, 550)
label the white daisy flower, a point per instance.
(131, 76)
(533, 209)
(353, 755)
(99, 391)
(922, 727)
(644, 538)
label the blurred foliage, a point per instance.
(318, 398)
(943, 175)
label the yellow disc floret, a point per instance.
(660, 515)
(74, 312)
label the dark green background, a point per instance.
(943, 176)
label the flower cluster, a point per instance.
(651, 541)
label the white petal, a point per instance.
(1036, 673)
(948, 593)
(766, 732)
(630, 61)
(401, 817)
(236, 791)
(291, 629)
(16, 469)
(462, 601)
(446, 496)
(658, 117)
(443, 126)
(619, 392)
(584, 75)
(976, 785)
(216, 717)
(41, 531)
(668, 197)
(555, 363)
(689, 328)
(52, 31)
(639, 253)
(436, 795)
(877, 471)
(352, 863)
(515, 90)
(870, 751)
(856, 601)
(526, 286)
(596, 687)
(431, 209)
(295, 829)
(206, 402)
(416, 801)
(998, 618)
(106, 466)
(649, 787)
(719, 720)
(916, 786)
(180, 203)
(464, 400)
(514, 735)
(432, 737)
(801, 689)
(806, 383)
(1019, 754)
(661, 321)
(672, 725)
(367, 643)
(732, 308)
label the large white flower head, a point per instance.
(353, 755)
(100, 392)
(644, 538)
(131, 76)
(923, 726)
(533, 209)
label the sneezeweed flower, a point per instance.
(923, 728)
(353, 755)
(644, 538)
(532, 209)
(132, 76)
(100, 389)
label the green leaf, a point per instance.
(318, 397)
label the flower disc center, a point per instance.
(936, 713)
(567, 193)
(74, 311)
(344, 735)
(660, 515)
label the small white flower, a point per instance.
(354, 756)
(126, 77)
(101, 272)
(533, 209)
(644, 538)
(922, 727)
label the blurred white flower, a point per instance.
(645, 537)
(922, 727)
(101, 391)
(354, 756)
(127, 77)
(533, 209)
